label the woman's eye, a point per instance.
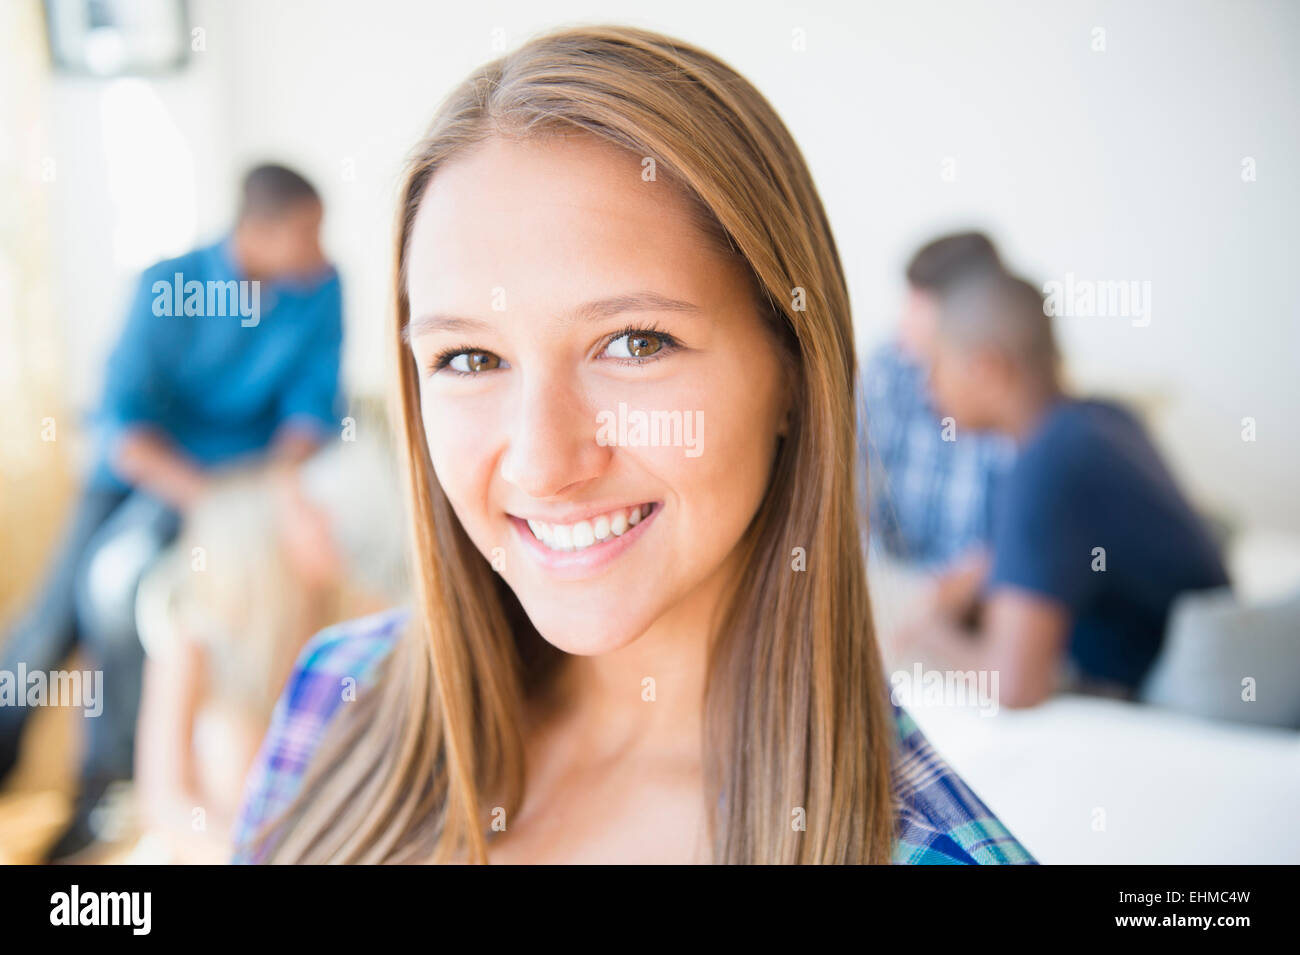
(468, 362)
(636, 345)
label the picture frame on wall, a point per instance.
(107, 38)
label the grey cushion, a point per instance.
(1214, 643)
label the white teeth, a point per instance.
(584, 534)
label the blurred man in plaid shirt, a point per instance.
(931, 486)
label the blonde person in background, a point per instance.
(269, 557)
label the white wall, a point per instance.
(127, 144)
(1119, 164)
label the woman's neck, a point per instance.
(648, 695)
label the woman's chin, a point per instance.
(585, 634)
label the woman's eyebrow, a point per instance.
(630, 302)
(595, 310)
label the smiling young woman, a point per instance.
(673, 650)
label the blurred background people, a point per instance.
(270, 556)
(930, 486)
(131, 131)
(228, 352)
(1093, 538)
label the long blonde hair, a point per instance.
(246, 610)
(797, 720)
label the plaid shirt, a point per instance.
(931, 499)
(940, 820)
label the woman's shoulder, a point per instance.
(331, 666)
(350, 649)
(941, 820)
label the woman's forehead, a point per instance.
(550, 218)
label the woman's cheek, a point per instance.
(720, 475)
(460, 442)
(741, 458)
(741, 435)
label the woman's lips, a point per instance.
(569, 554)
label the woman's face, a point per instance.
(600, 397)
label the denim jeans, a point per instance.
(88, 601)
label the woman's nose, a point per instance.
(552, 440)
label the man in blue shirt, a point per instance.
(931, 485)
(1092, 537)
(230, 352)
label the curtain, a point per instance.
(36, 430)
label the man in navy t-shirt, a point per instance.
(1092, 538)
